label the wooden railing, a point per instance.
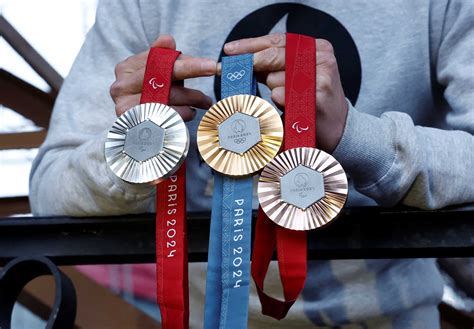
(27, 100)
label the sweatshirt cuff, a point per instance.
(366, 148)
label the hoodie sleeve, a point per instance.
(394, 161)
(69, 175)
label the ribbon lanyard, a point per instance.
(300, 130)
(171, 242)
(228, 271)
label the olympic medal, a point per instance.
(239, 135)
(302, 189)
(148, 143)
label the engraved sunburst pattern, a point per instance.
(159, 166)
(236, 164)
(319, 213)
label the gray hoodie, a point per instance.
(407, 70)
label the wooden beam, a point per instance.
(26, 140)
(25, 99)
(97, 306)
(31, 56)
(14, 205)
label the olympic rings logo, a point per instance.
(240, 140)
(237, 75)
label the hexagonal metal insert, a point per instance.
(302, 187)
(239, 133)
(144, 141)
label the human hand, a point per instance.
(127, 88)
(269, 65)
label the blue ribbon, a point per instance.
(228, 267)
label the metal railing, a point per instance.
(358, 233)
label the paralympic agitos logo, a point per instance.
(298, 18)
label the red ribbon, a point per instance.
(171, 241)
(300, 131)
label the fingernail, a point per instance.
(230, 47)
(208, 66)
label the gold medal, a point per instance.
(148, 143)
(302, 189)
(239, 135)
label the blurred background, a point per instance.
(56, 30)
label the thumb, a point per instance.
(165, 41)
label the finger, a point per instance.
(192, 67)
(325, 83)
(324, 57)
(179, 96)
(125, 103)
(186, 68)
(253, 45)
(128, 84)
(164, 41)
(278, 96)
(324, 45)
(269, 60)
(275, 79)
(138, 61)
(131, 64)
(187, 113)
(189, 97)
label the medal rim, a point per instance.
(313, 217)
(151, 170)
(234, 164)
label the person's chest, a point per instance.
(382, 49)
